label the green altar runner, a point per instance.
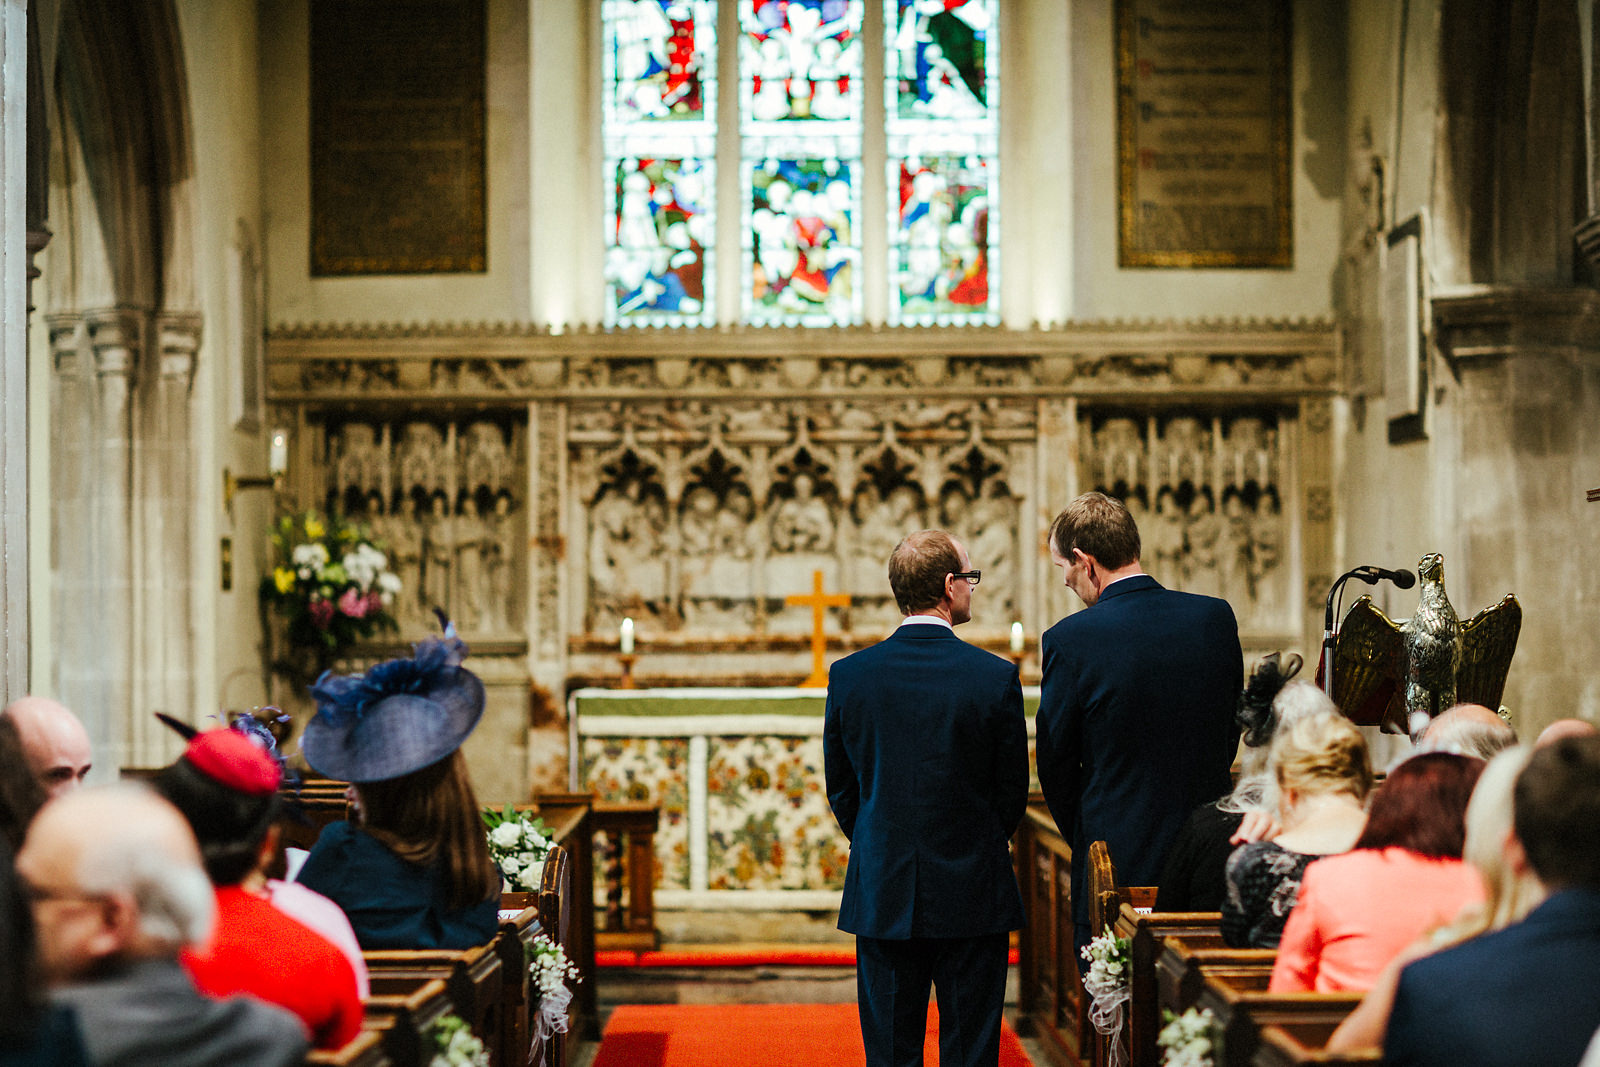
(738, 774)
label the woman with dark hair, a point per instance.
(1404, 877)
(415, 871)
(33, 1033)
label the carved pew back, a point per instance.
(1291, 1044)
(472, 978)
(1145, 932)
(364, 1050)
(1242, 1010)
(404, 1017)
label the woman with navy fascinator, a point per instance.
(414, 870)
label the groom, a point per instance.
(926, 757)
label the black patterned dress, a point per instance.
(1263, 884)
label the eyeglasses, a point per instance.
(971, 576)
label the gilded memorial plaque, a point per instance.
(1203, 130)
(397, 136)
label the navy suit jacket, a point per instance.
(1528, 994)
(926, 757)
(1136, 722)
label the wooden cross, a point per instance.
(819, 603)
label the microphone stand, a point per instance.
(1329, 630)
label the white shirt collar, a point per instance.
(923, 620)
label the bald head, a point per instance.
(1470, 730)
(1565, 728)
(115, 874)
(54, 742)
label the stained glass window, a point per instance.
(943, 142)
(800, 124)
(801, 105)
(660, 141)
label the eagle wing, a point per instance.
(1369, 666)
(1488, 641)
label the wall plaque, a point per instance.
(397, 136)
(1203, 130)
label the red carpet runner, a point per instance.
(761, 1035)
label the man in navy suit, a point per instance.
(1136, 714)
(926, 756)
(1528, 994)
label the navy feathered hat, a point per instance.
(400, 716)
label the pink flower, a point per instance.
(374, 602)
(321, 613)
(353, 604)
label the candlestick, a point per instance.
(1016, 637)
(625, 641)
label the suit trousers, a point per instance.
(893, 979)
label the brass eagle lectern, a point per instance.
(1387, 673)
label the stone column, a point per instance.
(75, 633)
(115, 339)
(164, 514)
(14, 261)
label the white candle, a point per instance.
(278, 453)
(1016, 637)
(626, 640)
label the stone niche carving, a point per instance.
(701, 517)
(447, 499)
(1207, 492)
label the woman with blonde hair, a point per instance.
(1510, 895)
(1319, 778)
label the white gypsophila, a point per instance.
(1186, 1040)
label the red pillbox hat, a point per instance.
(233, 760)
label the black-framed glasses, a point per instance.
(971, 576)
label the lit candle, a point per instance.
(278, 454)
(626, 641)
(1016, 637)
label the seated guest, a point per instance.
(1192, 878)
(21, 795)
(54, 741)
(1564, 728)
(1524, 994)
(1468, 730)
(1512, 891)
(227, 787)
(1323, 777)
(416, 872)
(33, 1032)
(118, 891)
(1357, 911)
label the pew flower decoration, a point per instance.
(552, 972)
(332, 583)
(1188, 1040)
(1110, 964)
(455, 1045)
(518, 844)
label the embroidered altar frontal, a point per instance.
(738, 774)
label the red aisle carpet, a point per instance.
(760, 1035)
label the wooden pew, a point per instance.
(364, 1050)
(519, 924)
(1145, 933)
(1051, 1001)
(1106, 896)
(630, 874)
(404, 1018)
(1291, 1044)
(1243, 1008)
(472, 978)
(570, 818)
(1185, 961)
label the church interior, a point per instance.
(623, 328)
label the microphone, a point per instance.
(1402, 579)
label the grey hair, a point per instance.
(1469, 737)
(1257, 789)
(177, 904)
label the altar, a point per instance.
(738, 775)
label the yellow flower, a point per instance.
(315, 529)
(284, 578)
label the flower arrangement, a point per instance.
(518, 844)
(551, 971)
(1188, 1040)
(455, 1045)
(1110, 967)
(331, 581)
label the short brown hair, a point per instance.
(1098, 526)
(431, 816)
(917, 569)
(1556, 811)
